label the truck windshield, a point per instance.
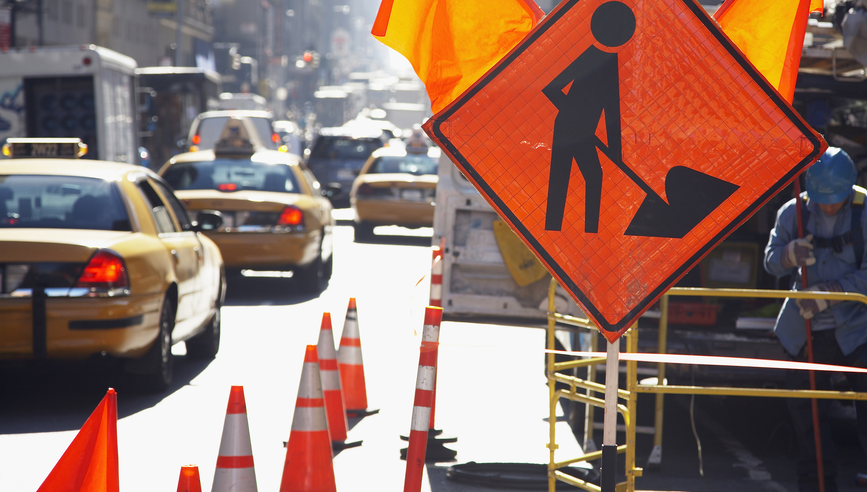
(232, 175)
(332, 147)
(61, 202)
(407, 164)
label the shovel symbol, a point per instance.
(692, 196)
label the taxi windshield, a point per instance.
(61, 202)
(232, 175)
(406, 164)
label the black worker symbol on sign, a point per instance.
(587, 95)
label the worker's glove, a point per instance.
(799, 252)
(812, 307)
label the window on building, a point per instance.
(66, 12)
(54, 9)
(81, 16)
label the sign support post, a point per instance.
(609, 426)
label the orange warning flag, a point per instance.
(759, 28)
(90, 462)
(452, 43)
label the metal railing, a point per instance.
(628, 410)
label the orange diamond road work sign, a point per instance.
(623, 141)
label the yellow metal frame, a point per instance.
(630, 394)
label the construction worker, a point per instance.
(832, 253)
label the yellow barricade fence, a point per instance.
(583, 390)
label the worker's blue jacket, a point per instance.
(850, 316)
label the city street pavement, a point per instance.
(491, 395)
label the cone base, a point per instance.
(308, 466)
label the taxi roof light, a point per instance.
(291, 216)
(69, 148)
(105, 270)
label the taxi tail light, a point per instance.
(364, 189)
(105, 271)
(291, 216)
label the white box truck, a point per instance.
(83, 91)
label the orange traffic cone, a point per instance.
(308, 466)
(330, 375)
(352, 366)
(90, 462)
(235, 470)
(189, 480)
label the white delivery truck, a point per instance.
(83, 91)
(476, 279)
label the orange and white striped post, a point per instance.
(235, 471)
(424, 392)
(436, 276)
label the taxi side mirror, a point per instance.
(208, 220)
(332, 190)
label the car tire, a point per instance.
(206, 344)
(311, 279)
(153, 372)
(363, 231)
(329, 267)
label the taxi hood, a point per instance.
(54, 245)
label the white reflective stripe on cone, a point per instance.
(425, 380)
(235, 480)
(309, 419)
(420, 418)
(349, 355)
(430, 333)
(330, 380)
(311, 384)
(236, 436)
(325, 347)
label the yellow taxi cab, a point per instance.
(275, 215)
(100, 259)
(395, 187)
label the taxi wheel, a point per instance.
(329, 266)
(363, 231)
(154, 371)
(206, 344)
(311, 279)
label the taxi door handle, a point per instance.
(175, 255)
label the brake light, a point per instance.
(275, 138)
(197, 139)
(227, 187)
(364, 189)
(105, 270)
(291, 216)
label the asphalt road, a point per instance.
(491, 395)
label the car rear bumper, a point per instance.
(241, 250)
(394, 212)
(76, 328)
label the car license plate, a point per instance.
(345, 174)
(411, 195)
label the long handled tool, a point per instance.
(817, 435)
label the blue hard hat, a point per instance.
(830, 179)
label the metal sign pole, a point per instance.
(609, 428)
